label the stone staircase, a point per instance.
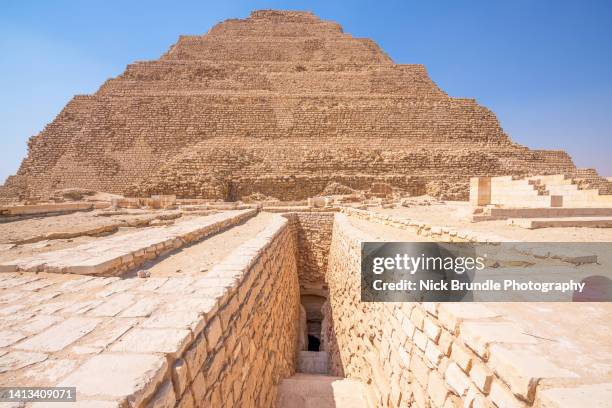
(320, 391)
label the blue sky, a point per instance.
(544, 67)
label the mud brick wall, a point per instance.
(312, 233)
(281, 103)
(250, 340)
(417, 354)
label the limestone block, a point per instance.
(169, 341)
(164, 397)
(461, 356)
(596, 395)
(15, 360)
(181, 377)
(456, 379)
(431, 329)
(436, 389)
(478, 336)
(503, 397)
(419, 369)
(452, 314)
(122, 377)
(481, 376)
(522, 369)
(61, 335)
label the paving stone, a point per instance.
(11, 309)
(142, 308)
(103, 336)
(14, 360)
(113, 306)
(49, 371)
(176, 319)
(61, 335)
(131, 377)
(10, 297)
(8, 337)
(591, 395)
(81, 307)
(171, 341)
(39, 323)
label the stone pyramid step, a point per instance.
(320, 391)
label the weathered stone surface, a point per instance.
(594, 395)
(8, 337)
(60, 335)
(478, 336)
(14, 360)
(131, 377)
(522, 369)
(164, 397)
(171, 341)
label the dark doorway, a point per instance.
(313, 343)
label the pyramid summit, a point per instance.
(282, 104)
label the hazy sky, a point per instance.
(544, 67)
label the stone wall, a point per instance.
(312, 232)
(250, 341)
(417, 354)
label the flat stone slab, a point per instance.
(104, 256)
(505, 213)
(20, 210)
(124, 376)
(563, 222)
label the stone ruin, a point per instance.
(199, 243)
(281, 104)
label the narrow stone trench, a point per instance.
(313, 385)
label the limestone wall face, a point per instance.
(413, 354)
(250, 341)
(312, 232)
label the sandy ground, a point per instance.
(202, 256)
(456, 213)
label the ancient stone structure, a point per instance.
(169, 298)
(281, 104)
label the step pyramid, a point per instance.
(281, 103)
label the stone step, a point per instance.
(313, 362)
(320, 391)
(562, 222)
